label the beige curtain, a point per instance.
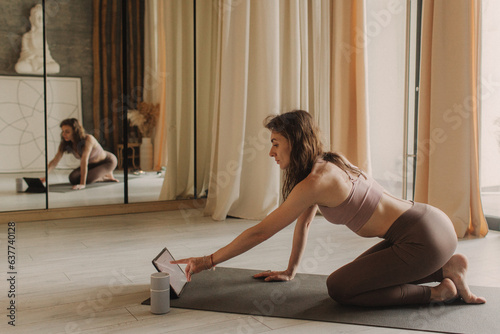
(207, 46)
(244, 182)
(168, 80)
(447, 160)
(315, 62)
(274, 56)
(348, 109)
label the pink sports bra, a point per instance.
(358, 207)
(94, 154)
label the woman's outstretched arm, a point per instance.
(84, 163)
(299, 200)
(53, 163)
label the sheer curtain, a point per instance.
(169, 74)
(447, 159)
(349, 133)
(244, 182)
(273, 56)
(207, 96)
(254, 58)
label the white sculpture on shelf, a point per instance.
(31, 59)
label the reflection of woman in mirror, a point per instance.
(97, 165)
(31, 59)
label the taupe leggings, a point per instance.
(95, 170)
(413, 251)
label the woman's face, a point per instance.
(67, 132)
(280, 150)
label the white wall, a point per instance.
(386, 39)
(22, 130)
(490, 96)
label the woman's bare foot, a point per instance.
(455, 269)
(445, 291)
(109, 178)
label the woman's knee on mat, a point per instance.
(339, 290)
(112, 161)
(74, 177)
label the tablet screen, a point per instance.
(177, 277)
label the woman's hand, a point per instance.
(195, 265)
(78, 186)
(270, 276)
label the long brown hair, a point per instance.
(78, 136)
(298, 128)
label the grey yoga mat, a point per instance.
(236, 291)
(68, 187)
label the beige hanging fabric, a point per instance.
(274, 56)
(315, 56)
(169, 81)
(244, 182)
(349, 120)
(207, 41)
(448, 151)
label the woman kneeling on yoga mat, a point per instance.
(419, 240)
(96, 164)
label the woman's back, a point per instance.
(359, 200)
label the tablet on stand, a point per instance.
(178, 278)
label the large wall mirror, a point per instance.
(159, 59)
(104, 61)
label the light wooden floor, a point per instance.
(90, 275)
(141, 188)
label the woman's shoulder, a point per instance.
(328, 182)
(90, 139)
(323, 168)
(325, 173)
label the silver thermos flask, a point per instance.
(160, 293)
